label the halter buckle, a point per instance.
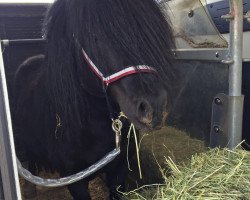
(117, 127)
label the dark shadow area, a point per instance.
(246, 114)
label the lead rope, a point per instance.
(132, 128)
(27, 175)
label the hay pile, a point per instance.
(154, 147)
(216, 174)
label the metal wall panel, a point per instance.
(20, 21)
(200, 82)
(217, 9)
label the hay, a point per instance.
(154, 147)
(216, 174)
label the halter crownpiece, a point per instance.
(118, 75)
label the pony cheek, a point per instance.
(125, 103)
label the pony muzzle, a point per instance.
(144, 112)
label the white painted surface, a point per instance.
(212, 1)
(246, 46)
(50, 1)
(26, 1)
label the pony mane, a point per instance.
(114, 33)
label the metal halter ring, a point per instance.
(117, 127)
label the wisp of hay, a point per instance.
(218, 174)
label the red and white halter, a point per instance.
(118, 75)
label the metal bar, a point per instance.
(236, 43)
(201, 54)
(209, 54)
(1, 189)
(246, 60)
(206, 54)
(235, 118)
(8, 165)
(235, 74)
(20, 42)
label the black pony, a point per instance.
(61, 109)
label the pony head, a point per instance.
(115, 34)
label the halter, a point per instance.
(118, 75)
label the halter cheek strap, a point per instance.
(118, 75)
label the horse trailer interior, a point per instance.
(212, 59)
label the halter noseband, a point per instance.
(118, 75)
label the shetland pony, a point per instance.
(64, 107)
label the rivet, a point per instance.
(217, 55)
(218, 101)
(191, 13)
(217, 129)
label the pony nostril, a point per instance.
(142, 107)
(144, 112)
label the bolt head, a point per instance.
(217, 129)
(217, 55)
(191, 13)
(218, 101)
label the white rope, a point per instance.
(69, 179)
